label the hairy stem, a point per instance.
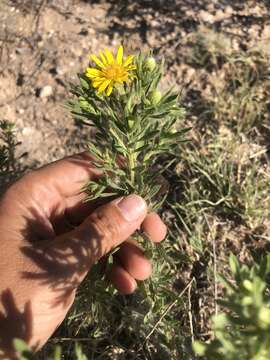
(132, 162)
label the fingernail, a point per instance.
(132, 207)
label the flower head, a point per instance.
(110, 71)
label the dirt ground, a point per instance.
(44, 43)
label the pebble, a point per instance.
(46, 91)
(206, 17)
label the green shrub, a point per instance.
(243, 331)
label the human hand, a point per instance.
(49, 241)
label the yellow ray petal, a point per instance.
(119, 56)
(109, 56)
(103, 86)
(97, 61)
(128, 60)
(92, 73)
(109, 90)
(103, 58)
(98, 82)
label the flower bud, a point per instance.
(247, 300)
(264, 317)
(150, 63)
(248, 285)
(155, 97)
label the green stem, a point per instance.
(132, 162)
(131, 157)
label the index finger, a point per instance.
(45, 191)
(67, 176)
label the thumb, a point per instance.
(106, 228)
(111, 224)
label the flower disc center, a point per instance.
(114, 72)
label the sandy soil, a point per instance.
(44, 43)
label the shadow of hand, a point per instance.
(50, 239)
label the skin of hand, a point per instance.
(50, 239)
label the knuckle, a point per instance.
(106, 227)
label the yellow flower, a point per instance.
(111, 71)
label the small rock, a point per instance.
(228, 10)
(46, 91)
(206, 17)
(220, 15)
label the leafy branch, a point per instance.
(135, 127)
(243, 331)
